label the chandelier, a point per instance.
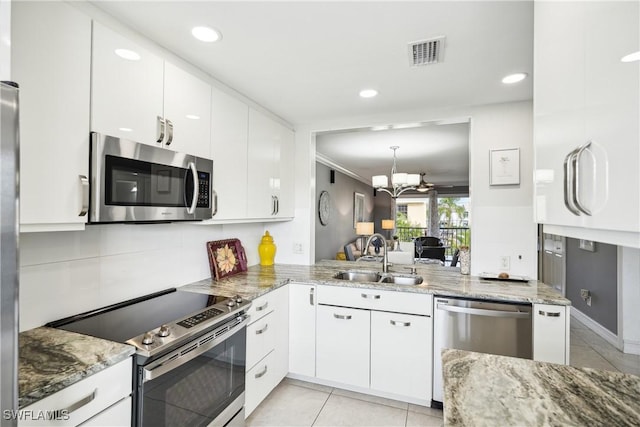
(400, 182)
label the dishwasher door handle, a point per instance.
(483, 312)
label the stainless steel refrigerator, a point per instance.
(9, 229)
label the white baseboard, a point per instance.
(596, 327)
(631, 346)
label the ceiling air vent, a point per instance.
(426, 52)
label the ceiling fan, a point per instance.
(425, 186)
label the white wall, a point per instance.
(501, 217)
(629, 299)
(66, 273)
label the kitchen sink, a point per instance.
(359, 276)
(402, 280)
(374, 276)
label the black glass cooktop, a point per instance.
(129, 319)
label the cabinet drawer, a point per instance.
(99, 391)
(116, 415)
(261, 306)
(373, 299)
(259, 382)
(260, 339)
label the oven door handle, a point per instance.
(180, 357)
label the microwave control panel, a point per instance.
(204, 190)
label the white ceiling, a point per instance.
(307, 61)
(439, 150)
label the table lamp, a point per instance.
(388, 224)
(364, 229)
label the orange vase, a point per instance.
(267, 249)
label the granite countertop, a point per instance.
(439, 280)
(52, 359)
(489, 390)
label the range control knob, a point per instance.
(147, 338)
(238, 299)
(164, 331)
(231, 302)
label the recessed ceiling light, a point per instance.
(206, 34)
(126, 129)
(514, 78)
(635, 56)
(127, 54)
(368, 93)
(192, 117)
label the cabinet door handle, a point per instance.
(549, 313)
(263, 306)
(273, 205)
(370, 296)
(160, 128)
(277, 205)
(311, 292)
(396, 323)
(342, 316)
(84, 184)
(263, 330)
(568, 183)
(169, 132)
(576, 179)
(214, 195)
(75, 406)
(261, 374)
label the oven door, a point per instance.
(201, 383)
(139, 183)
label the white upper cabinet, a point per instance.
(270, 168)
(229, 127)
(51, 57)
(138, 96)
(187, 105)
(586, 109)
(126, 92)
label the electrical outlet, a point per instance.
(505, 262)
(585, 294)
(297, 248)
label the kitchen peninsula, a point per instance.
(488, 390)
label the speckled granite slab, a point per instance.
(446, 281)
(52, 359)
(488, 390)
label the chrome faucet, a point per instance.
(385, 259)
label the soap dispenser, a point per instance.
(267, 249)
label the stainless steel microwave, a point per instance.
(133, 182)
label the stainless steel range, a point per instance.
(190, 358)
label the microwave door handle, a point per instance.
(196, 189)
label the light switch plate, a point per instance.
(588, 245)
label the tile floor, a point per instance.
(298, 403)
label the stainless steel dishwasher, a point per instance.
(481, 326)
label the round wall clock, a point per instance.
(324, 207)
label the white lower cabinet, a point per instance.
(267, 360)
(389, 353)
(551, 333)
(86, 399)
(342, 353)
(401, 354)
(302, 329)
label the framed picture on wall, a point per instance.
(358, 208)
(504, 166)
